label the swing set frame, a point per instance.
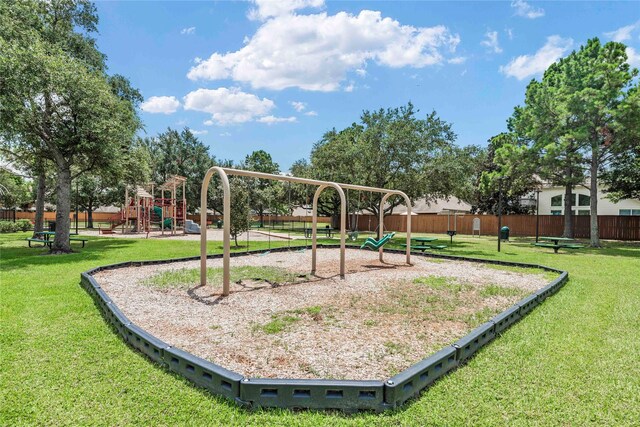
(223, 173)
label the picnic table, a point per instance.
(46, 240)
(557, 240)
(48, 234)
(308, 232)
(558, 243)
(422, 243)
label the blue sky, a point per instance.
(277, 75)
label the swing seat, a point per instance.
(374, 244)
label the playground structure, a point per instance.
(321, 186)
(142, 210)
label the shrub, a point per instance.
(12, 227)
(24, 224)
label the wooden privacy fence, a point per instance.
(108, 217)
(82, 216)
(610, 226)
(266, 218)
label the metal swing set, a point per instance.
(224, 173)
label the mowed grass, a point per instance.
(573, 361)
(190, 276)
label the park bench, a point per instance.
(44, 242)
(424, 247)
(78, 239)
(559, 246)
(49, 242)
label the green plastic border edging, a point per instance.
(346, 395)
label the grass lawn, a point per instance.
(575, 360)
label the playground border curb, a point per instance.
(345, 395)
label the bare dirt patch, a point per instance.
(379, 320)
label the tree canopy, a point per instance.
(179, 153)
(581, 117)
(390, 148)
(56, 98)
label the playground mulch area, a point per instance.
(379, 320)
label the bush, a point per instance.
(24, 224)
(12, 227)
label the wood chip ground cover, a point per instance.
(379, 320)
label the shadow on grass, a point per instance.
(15, 258)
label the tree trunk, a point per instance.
(89, 215)
(335, 221)
(63, 208)
(593, 192)
(40, 194)
(568, 214)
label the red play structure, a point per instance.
(142, 212)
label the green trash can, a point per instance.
(504, 233)
(219, 223)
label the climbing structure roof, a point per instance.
(173, 181)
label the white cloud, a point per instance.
(457, 60)
(266, 9)
(225, 134)
(272, 119)
(209, 122)
(188, 31)
(227, 105)
(622, 33)
(509, 32)
(525, 10)
(528, 65)
(633, 57)
(199, 132)
(311, 113)
(361, 72)
(491, 41)
(350, 87)
(298, 106)
(315, 52)
(160, 104)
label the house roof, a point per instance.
(422, 206)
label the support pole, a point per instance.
(381, 224)
(174, 209)
(343, 226)
(499, 210)
(126, 209)
(537, 215)
(226, 217)
(314, 225)
(162, 210)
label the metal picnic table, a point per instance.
(46, 238)
(309, 231)
(423, 239)
(422, 243)
(48, 234)
(558, 243)
(557, 240)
